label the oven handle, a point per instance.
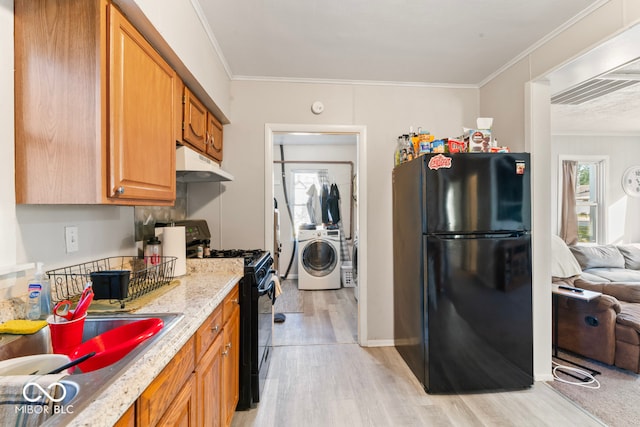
(269, 289)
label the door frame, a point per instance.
(361, 192)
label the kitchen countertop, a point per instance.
(203, 288)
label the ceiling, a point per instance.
(461, 42)
(425, 42)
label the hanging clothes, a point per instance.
(313, 205)
(333, 204)
(324, 203)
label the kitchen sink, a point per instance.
(83, 388)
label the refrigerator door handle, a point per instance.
(494, 235)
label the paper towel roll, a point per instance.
(174, 244)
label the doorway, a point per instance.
(327, 158)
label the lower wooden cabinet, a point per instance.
(128, 419)
(161, 393)
(209, 383)
(182, 411)
(200, 385)
(230, 366)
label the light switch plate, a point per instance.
(71, 239)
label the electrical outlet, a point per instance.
(71, 239)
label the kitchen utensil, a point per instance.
(67, 335)
(72, 364)
(116, 343)
(63, 309)
(83, 303)
(32, 365)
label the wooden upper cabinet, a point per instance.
(214, 131)
(194, 128)
(142, 108)
(95, 108)
(200, 128)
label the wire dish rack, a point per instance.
(69, 282)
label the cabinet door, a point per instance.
(182, 411)
(214, 132)
(231, 366)
(209, 383)
(128, 419)
(142, 108)
(163, 391)
(194, 128)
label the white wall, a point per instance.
(623, 151)
(386, 111)
(503, 99)
(7, 176)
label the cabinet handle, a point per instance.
(120, 190)
(224, 353)
(235, 301)
(228, 346)
(215, 328)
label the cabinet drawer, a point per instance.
(208, 332)
(231, 302)
(154, 401)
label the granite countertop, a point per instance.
(200, 291)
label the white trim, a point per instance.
(212, 38)
(603, 171)
(379, 343)
(361, 188)
(353, 82)
(545, 378)
(538, 143)
(544, 40)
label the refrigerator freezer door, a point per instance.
(476, 192)
(479, 334)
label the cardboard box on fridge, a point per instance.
(480, 140)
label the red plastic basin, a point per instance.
(113, 345)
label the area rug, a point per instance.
(290, 300)
(616, 402)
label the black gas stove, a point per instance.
(257, 296)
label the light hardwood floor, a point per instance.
(320, 376)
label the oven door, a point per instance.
(266, 297)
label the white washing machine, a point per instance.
(319, 259)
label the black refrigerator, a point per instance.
(462, 271)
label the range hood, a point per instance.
(192, 166)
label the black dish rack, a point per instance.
(69, 282)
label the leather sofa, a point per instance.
(607, 328)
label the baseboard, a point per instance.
(377, 343)
(543, 377)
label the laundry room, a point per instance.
(315, 225)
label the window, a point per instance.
(588, 197)
(303, 181)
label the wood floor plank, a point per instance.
(316, 379)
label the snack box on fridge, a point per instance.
(479, 140)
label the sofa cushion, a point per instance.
(563, 263)
(598, 256)
(624, 292)
(594, 278)
(631, 254)
(629, 316)
(615, 274)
